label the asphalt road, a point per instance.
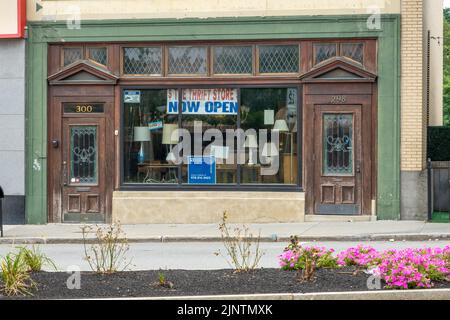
(191, 255)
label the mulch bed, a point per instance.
(202, 282)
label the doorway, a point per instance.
(83, 170)
(337, 160)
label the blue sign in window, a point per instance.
(201, 170)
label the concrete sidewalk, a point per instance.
(308, 231)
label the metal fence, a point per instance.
(438, 188)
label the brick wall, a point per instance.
(413, 113)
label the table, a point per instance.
(158, 172)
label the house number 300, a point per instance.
(83, 109)
(338, 99)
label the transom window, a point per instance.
(354, 51)
(98, 54)
(278, 59)
(187, 60)
(212, 60)
(233, 59)
(71, 54)
(142, 60)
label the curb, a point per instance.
(420, 294)
(274, 238)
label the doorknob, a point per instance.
(55, 144)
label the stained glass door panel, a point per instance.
(337, 144)
(83, 155)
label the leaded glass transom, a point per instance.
(324, 51)
(338, 144)
(142, 60)
(279, 59)
(72, 55)
(83, 154)
(233, 60)
(187, 60)
(354, 51)
(99, 55)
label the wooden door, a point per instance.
(84, 189)
(338, 162)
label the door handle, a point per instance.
(358, 167)
(64, 173)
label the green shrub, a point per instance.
(15, 277)
(35, 259)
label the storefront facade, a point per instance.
(281, 119)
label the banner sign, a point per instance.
(201, 170)
(204, 101)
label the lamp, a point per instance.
(168, 138)
(280, 125)
(269, 150)
(251, 143)
(141, 134)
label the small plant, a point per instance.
(35, 259)
(243, 249)
(359, 256)
(14, 275)
(310, 263)
(295, 256)
(109, 253)
(163, 282)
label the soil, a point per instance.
(203, 282)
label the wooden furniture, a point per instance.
(158, 172)
(290, 168)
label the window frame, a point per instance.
(166, 65)
(350, 59)
(277, 74)
(137, 76)
(337, 45)
(234, 75)
(88, 55)
(73, 46)
(298, 187)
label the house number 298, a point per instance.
(338, 99)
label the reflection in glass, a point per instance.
(187, 60)
(233, 60)
(217, 125)
(273, 109)
(338, 144)
(278, 59)
(83, 155)
(145, 149)
(142, 60)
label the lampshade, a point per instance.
(171, 157)
(269, 150)
(280, 125)
(251, 141)
(141, 134)
(168, 130)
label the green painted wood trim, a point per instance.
(388, 161)
(36, 134)
(303, 27)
